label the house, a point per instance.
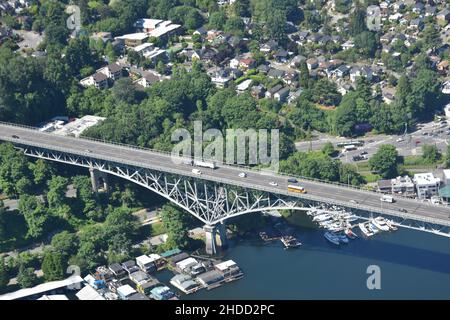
(312, 63)
(98, 80)
(269, 46)
(117, 270)
(113, 71)
(190, 54)
(229, 269)
(221, 78)
(263, 68)
(201, 31)
(161, 293)
(446, 87)
(430, 11)
(258, 91)
(361, 71)
(186, 264)
(293, 96)
(418, 8)
(271, 92)
(349, 44)
(210, 278)
(138, 297)
(139, 277)
(296, 61)
(146, 287)
(125, 291)
(426, 185)
(5, 32)
(416, 24)
(442, 67)
(184, 283)
(145, 263)
(275, 73)
(290, 77)
(281, 95)
(384, 186)
(341, 71)
(130, 266)
(314, 38)
(247, 63)
(243, 86)
(148, 78)
(212, 34)
(443, 16)
(281, 55)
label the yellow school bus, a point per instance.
(298, 189)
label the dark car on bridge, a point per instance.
(15, 136)
(292, 180)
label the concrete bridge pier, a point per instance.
(99, 180)
(216, 238)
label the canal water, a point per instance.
(413, 265)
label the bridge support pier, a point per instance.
(216, 238)
(99, 180)
(222, 241)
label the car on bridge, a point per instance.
(15, 136)
(242, 175)
(196, 171)
(292, 180)
(273, 183)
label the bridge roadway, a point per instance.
(317, 191)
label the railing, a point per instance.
(253, 169)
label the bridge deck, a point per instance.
(317, 191)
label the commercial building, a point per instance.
(78, 126)
(403, 185)
(426, 185)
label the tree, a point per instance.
(367, 43)
(447, 157)
(217, 20)
(2, 222)
(430, 153)
(431, 37)
(346, 117)
(26, 277)
(53, 266)
(35, 215)
(304, 75)
(42, 171)
(175, 223)
(325, 92)
(328, 149)
(65, 243)
(385, 161)
(357, 21)
(4, 278)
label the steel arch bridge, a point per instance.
(210, 202)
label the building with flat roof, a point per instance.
(78, 126)
(403, 185)
(427, 185)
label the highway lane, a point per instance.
(224, 173)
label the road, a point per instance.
(317, 191)
(410, 144)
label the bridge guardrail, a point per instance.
(254, 169)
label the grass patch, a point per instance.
(371, 177)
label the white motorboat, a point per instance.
(380, 223)
(372, 227)
(391, 225)
(322, 217)
(363, 227)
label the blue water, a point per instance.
(414, 265)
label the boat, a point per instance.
(372, 227)
(342, 238)
(380, 223)
(331, 237)
(350, 234)
(352, 218)
(391, 225)
(363, 227)
(322, 217)
(290, 242)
